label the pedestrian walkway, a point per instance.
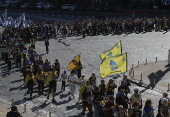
(152, 75)
(5, 107)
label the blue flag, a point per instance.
(166, 2)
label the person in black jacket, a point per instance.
(18, 59)
(57, 67)
(97, 98)
(14, 112)
(30, 84)
(122, 100)
(46, 45)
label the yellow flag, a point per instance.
(49, 77)
(113, 65)
(116, 50)
(75, 63)
(27, 78)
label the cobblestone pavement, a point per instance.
(138, 46)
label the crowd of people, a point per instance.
(100, 100)
(91, 27)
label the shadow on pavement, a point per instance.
(64, 95)
(20, 102)
(2, 64)
(62, 102)
(76, 116)
(72, 106)
(156, 77)
(16, 88)
(17, 81)
(44, 104)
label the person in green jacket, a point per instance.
(32, 42)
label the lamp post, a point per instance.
(92, 5)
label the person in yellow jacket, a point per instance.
(81, 90)
(40, 76)
(52, 79)
(81, 82)
(29, 81)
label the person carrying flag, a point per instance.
(53, 78)
(40, 76)
(29, 81)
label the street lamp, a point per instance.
(92, 5)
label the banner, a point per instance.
(116, 50)
(75, 63)
(166, 2)
(113, 65)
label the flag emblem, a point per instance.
(113, 65)
(116, 50)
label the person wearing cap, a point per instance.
(63, 79)
(72, 82)
(109, 107)
(136, 97)
(14, 112)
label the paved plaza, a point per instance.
(139, 47)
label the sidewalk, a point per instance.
(4, 108)
(152, 75)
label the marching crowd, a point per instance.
(100, 100)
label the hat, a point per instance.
(136, 89)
